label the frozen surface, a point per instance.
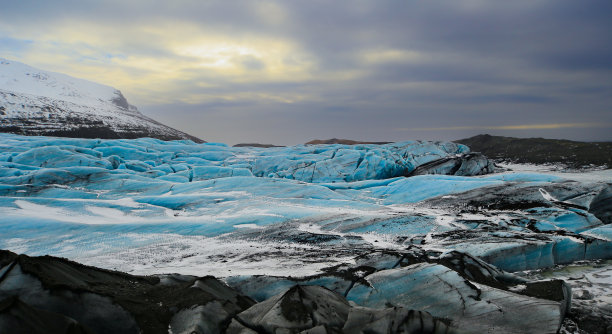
(153, 206)
(594, 175)
(443, 292)
(405, 226)
(591, 283)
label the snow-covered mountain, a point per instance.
(37, 102)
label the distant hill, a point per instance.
(344, 142)
(256, 145)
(34, 102)
(540, 150)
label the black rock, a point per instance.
(107, 301)
(17, 317)
(540, 150)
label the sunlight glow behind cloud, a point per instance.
(295, 71)
(184, 54)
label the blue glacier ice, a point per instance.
(443, 292)
(416, 225)
(175, 205)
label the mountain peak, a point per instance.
(17, 77)
(38, 102)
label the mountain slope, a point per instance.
(540, 150)
(36, 102)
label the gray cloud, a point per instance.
(378, 66)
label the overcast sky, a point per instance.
(286, 72)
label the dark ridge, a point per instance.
(102, 132)
(31, 320)
(257, 145)
(121, 101)
(150, 302)
(344, 142)
(539, 150)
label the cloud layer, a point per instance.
(288, 71)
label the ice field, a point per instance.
(149, 206)
(419, 225)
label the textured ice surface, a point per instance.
(372, 223)
(443, 292)
(591, 283)
(152, 206)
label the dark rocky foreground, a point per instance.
(461, 294)
(540, 151)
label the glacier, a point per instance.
(377, 225)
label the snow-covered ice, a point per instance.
(152, 206)
(414, 225)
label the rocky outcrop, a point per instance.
(542, 151)
(61, 294)
(17, 317)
